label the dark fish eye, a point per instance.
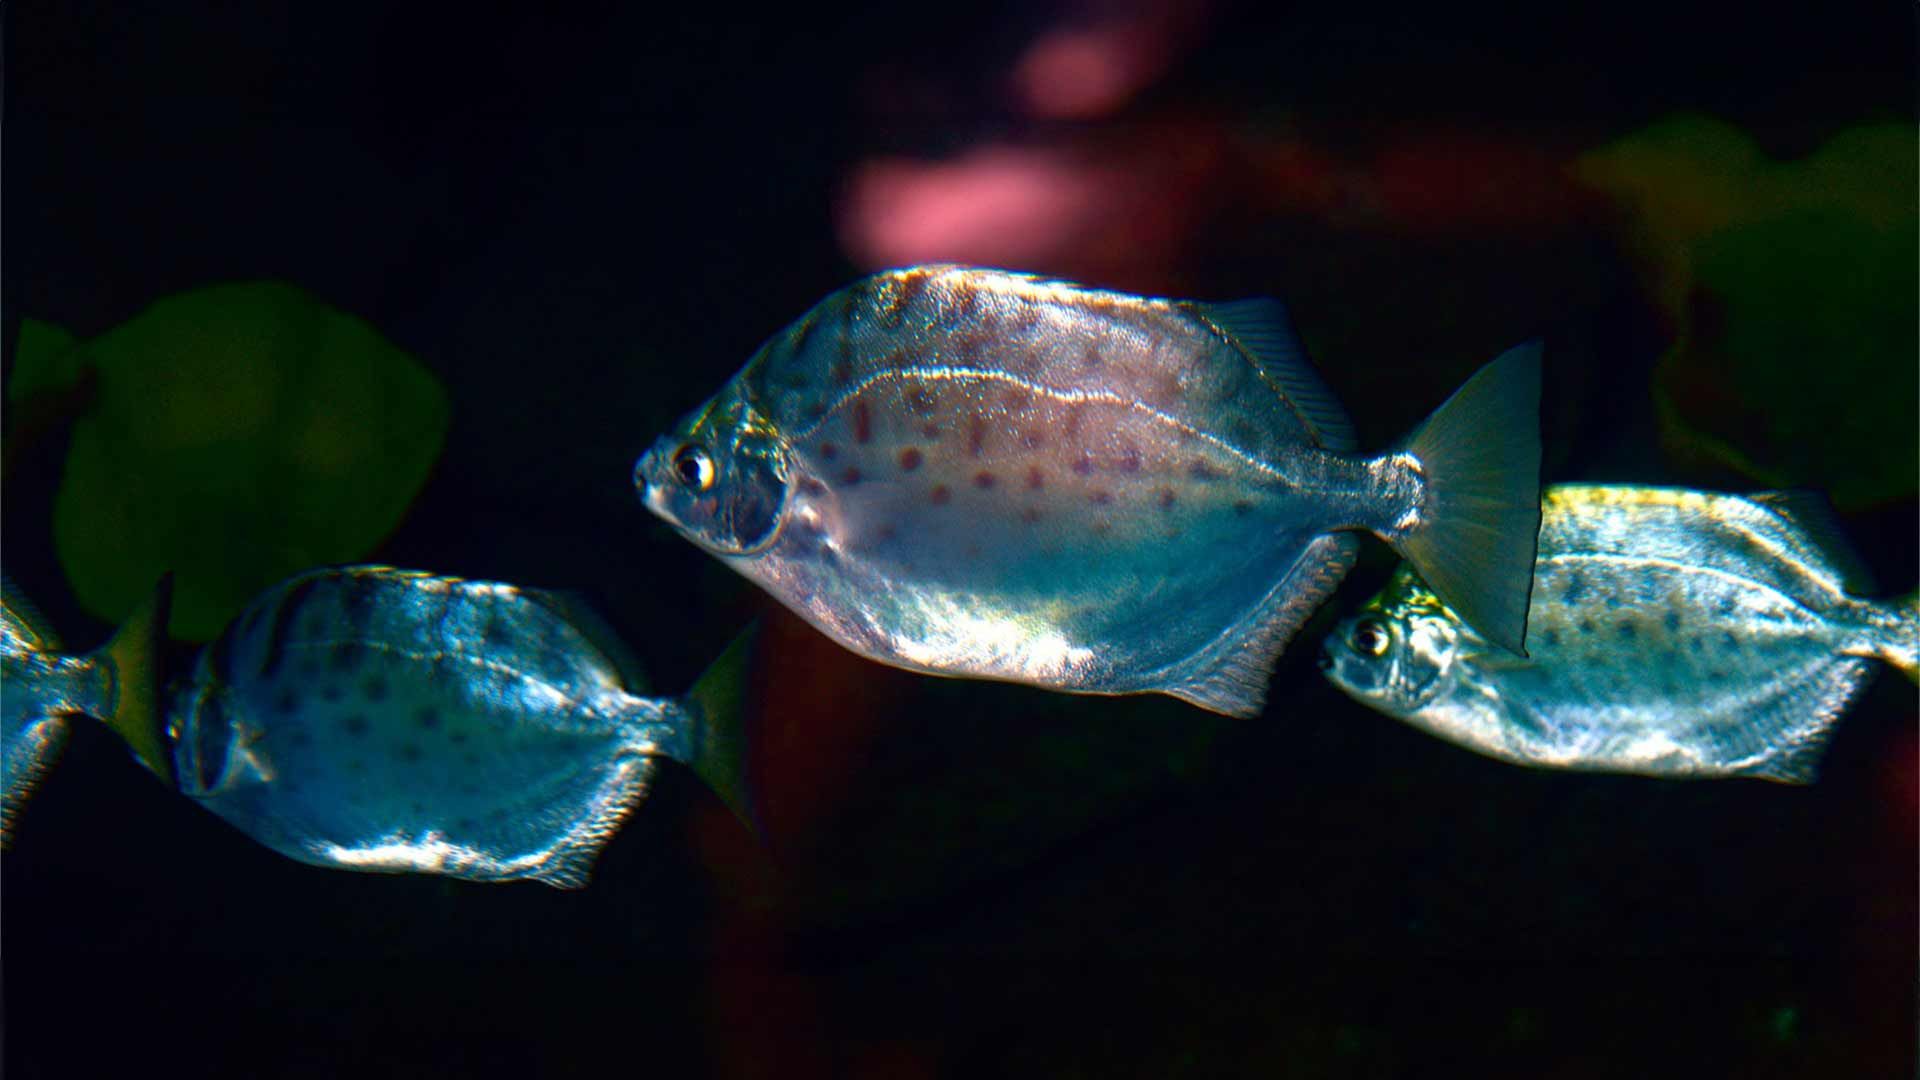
(1370, 638)
(693, 468)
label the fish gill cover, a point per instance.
(233, 434)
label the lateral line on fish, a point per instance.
(1074, 396)
(1674, 564)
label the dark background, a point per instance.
(585, 221)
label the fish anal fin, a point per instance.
(1797, 724)
(570, 864)
(1231, 674)
(1262, 328)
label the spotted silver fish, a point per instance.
(1674, 633)
(370, 718)
(981, 473)
(42, 689)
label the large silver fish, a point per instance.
(981, 473)
(1674, 633)
(42, 689)
(370, 718)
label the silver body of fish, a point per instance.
(370, 718)
(979, 473)
(1674, 633)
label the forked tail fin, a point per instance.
(718, 747)
(1481, 455)
(134, 654)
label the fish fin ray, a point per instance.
(1898, 640)
(134, 654)
(719, 746)
(570, 866)
(1262, 327)
(577, 612)
(29, 614)
(1481, 455)
(53, 732)
(1798, 723)
(1814, 515)
(1231, 673)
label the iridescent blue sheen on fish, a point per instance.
(980, 473)
(42, 689)
(1675, 633)
(372, 718)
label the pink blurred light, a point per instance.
(1080, 72)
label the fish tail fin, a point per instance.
(718, 749)
(1480, 452)
(1899, 643)
(134, 655)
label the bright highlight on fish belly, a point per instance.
(41, 688)
(979, 473)
(370, 718)
(1674, 633)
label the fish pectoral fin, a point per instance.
(1231, 674)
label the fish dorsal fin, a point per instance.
(1810, 511)
(1262, 328)
(28, 615)
(574, 609)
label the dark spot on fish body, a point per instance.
(983, 480)
(828, 451)
(1671, 620)
(1090, 357)
(1102, 526)
(1128, 461)
(1083, 465)
(1586, 626)
(1035, 478)
(1030, 514)
(496, 633)
(1728, 605)
(1730, 642)
(374, 688)
(355, 723)
(886, 534)
(1550, 638)
(920, 401)
(1697, 643)
(1574, 588)
(1614, 601)
(841, 372)
(1164, 498)
(410, 753)
(850, 475)
(910, 459)
(815, 411)
(862, 421)
(1628, 631)
(1032, 440)
(417, 808)
(940, 495)
(286, 702)
(332, 692)
(931, 431)
(1202, 471)
(976, 435)
(470, 758)
(1100, 497)
(457, 738)
(1242, 507)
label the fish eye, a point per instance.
(1370, 638)
(693, 468)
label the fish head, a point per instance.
(1397, 653)
(721, 478)
(215, 752)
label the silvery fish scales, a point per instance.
(1674, 633)
(973, 472)
(371, 718)
(42, 689)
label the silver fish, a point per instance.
(1674, 633)
(980, 473)
(370, 718)
(42, 688)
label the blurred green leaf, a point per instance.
(241, 433)
(1792, 287)
(44, 361)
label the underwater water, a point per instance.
(583, 224)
